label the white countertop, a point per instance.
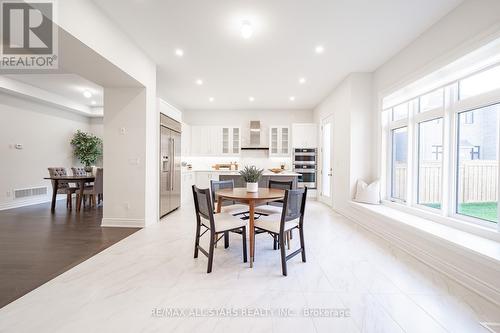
(233, 172)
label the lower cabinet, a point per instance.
(187, 181)
(203, 178)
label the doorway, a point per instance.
(326, 155)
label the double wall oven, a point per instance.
(305, 164)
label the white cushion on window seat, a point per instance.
(272, 223)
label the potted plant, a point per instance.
(87, 148)
(251, 175)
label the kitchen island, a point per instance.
(264, 180)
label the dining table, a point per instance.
(81, 180)
(252, 199)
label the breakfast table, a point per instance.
(251, 199)
(81, 180)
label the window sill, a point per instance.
(487, 247)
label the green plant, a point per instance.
(87, 148)
(251, 174)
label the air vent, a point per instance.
(30, 192)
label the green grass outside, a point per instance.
(484, 210)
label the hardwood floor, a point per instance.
(36, 246)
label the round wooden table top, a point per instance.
(242, 194)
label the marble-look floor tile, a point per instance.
(123, 288)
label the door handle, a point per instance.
(172, 165)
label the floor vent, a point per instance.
(492, 327)
(30, 192)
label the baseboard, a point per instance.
(17, 203)
(472, 271)
(122, 222)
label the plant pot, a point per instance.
(252, 187)
(88, 170)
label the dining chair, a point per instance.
(215, 224)
(292, 217)
(63, 187)
(275, 207)
(228, 206)
(95, 191)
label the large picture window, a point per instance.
(477, 163)
(430, 163)
(443, 147)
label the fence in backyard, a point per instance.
(478, 182)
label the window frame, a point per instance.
(449, 113)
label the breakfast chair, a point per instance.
(63, 188)
(292, 217)
(275, 207)
(215, 224)
(228, 206)
(79, 171)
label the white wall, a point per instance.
(103, 37)
(471, 25)
(45, 133)
(350, 106)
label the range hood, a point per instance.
(255, 134)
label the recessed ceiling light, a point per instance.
(251, 98)
(199, 82)
(211, 99)
(87, 94)
(93, 102)
(302, 80)
(246, 29)
(291, 98)
(319, 49)
(179, 52)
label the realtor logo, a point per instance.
(28, 35)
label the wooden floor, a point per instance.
(36, 246)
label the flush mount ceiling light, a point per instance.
(319, 49)
(291, 98)
(246, 29)
(179, 52)
(199, 82)
(93, 102)
(211, 99)
(251, 98)
(302, 80)
(87, 94)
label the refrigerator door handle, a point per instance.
(172, 164)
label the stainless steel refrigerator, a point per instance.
(170, 164)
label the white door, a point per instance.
(326, 161)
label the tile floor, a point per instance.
(119, 290)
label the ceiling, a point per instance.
(357, 35)
(70, 86)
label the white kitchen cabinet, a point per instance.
(231, 140)
(186, 140)
(203, 178)
(206, 140)
(187, 181)
(279, 141)
(305, 135)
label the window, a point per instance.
(400, 112)
(482, 82)
(430, 163)
(399, 163)
(477, 164)
(432, 100)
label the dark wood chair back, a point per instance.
(294, 206)
(216, 185)
(203, 206)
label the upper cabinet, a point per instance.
(304, 135)
(206, 140)
(279, 140)
(231, 140)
